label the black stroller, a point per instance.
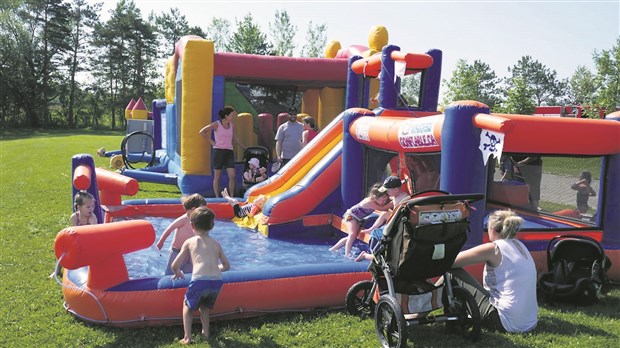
(259, 152)
(420, 241)
(577, 270)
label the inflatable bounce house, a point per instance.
(521, 162)
(262, 89)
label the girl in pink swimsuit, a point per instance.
(355, 216)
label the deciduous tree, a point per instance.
(475, 81)
(542, 82)
(518, 98)
(608, 76)
(583, 87)
(218, 31)
(315, 40)
(83, 17)
(248, 38)
(282, 33)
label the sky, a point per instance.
(559, 34)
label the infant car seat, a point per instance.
(259, 152)
(577, 270)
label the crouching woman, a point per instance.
(507, 297)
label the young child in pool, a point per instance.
(84, 204)
(377, 199)
(182, 231)
(242, 211)
(209, 262)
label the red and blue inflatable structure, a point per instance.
(307, 197)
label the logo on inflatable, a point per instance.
(417, 133)
(361, 131)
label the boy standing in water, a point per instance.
(183, 231)
(206, 255)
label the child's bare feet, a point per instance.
(205, 334)
(361, 256)
(333, 249)
(186, 341)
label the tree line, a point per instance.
(62, 66)
(531, 83)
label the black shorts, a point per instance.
(223, 158)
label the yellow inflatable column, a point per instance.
(331, 104)
(169, 81)
(310, 104)
(196, 105)
(244, 132)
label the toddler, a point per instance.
(84, 205)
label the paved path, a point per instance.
(556, 188)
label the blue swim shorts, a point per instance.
(202, 291)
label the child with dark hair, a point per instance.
(584, 191)
(182, 231)
(84, 204)
(310, 130)
(209, 262)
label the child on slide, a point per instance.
(377, 199)
(242, 211)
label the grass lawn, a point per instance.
(35, 204)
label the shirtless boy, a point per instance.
(209, 262)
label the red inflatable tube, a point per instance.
(372, 66)
(530, 134)
(81, 177)
(493, 123)
(113, 182)
(101, 247)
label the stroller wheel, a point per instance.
(390, 323)
(359, 299)
(466, 309)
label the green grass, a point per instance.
(572, 166)
(35, 204)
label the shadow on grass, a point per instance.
(224, 333)
(427, 336)
(557, 326)
(606, 307)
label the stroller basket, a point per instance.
(425, 235)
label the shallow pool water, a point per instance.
(245, 249)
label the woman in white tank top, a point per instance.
(507, 298)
